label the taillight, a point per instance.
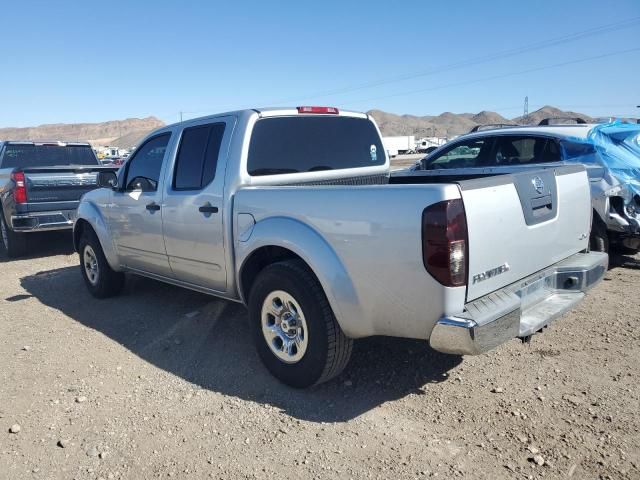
(325, 110)
(20, 190)
(444, 242)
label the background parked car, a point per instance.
(610, 151)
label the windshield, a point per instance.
(311, 144)
(29, 155)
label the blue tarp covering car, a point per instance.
(619, 147)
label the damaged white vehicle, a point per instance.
(610, 152)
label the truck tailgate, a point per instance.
(57, 185)
(520, 224)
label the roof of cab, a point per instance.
(268, 112)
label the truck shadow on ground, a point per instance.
(44, 244)
(207, 342)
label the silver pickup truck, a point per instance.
(293, 212)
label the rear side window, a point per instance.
(312, 144)
(198, 156)
(25, 156)
(144, 168)
(469, 154)
(513, 150)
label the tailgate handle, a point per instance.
(541, 205)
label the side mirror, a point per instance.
(107, 180)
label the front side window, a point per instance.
(311, 144)
(144, 168)
(198, 156)
(468, 154)
(513, 150)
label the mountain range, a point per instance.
(449, 124)
(127, 133)
(116, 133)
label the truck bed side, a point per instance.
(363, 243)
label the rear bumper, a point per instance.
(520, 309)
(43, 221)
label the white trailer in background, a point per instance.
(399, 145)
(427, 142)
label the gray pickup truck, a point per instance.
(40, 187)
(293, 212)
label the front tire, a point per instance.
(295, 331)
(101, 280)
(14, 243)
(599, 239)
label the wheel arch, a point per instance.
(278, 239)
(90, 217)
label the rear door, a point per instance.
(136, 212)
(193, 214)
(524, 222)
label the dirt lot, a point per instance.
(163, 382)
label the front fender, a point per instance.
(309, 245)
(89, 212)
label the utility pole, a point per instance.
(180, 116)
(525, 116)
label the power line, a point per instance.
(496, 77)
(594, 31)
(478, 60)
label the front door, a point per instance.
(136, 212)
(193, 214)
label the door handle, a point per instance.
(208, 208)
(153, 207)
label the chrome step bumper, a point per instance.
(43, 221)
(520, 309)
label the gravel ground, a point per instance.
(163, 382)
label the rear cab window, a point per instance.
(25, 155)
(298, 144)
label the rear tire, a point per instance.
(295, 331)
(14, 243)
(101, 280)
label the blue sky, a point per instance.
(90, 61)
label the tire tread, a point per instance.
(17, 241)
(339, 345)
(111, 282)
